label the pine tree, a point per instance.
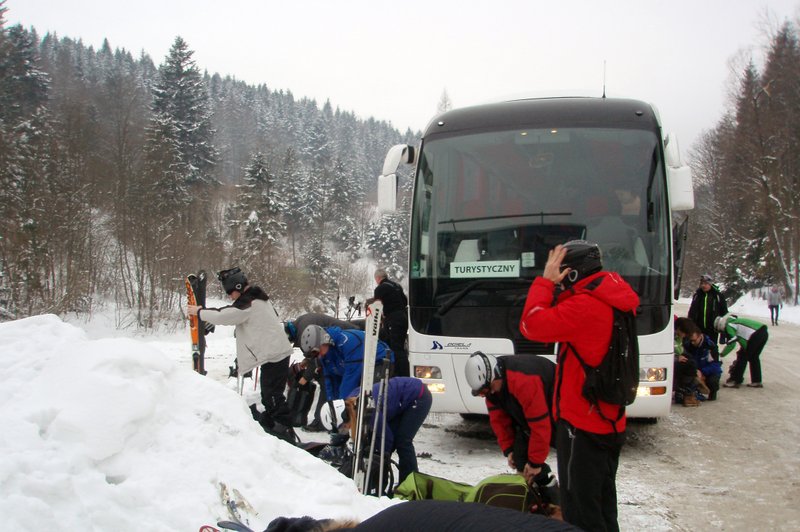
(180, 97)
(260, 209)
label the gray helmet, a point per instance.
(720, 322)
(583, 258)
(480, 370)
(232, 279)
(313, 337)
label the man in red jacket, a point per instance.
(571, 303)
(518, 390)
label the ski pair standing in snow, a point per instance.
(196, 295)
(260, 340)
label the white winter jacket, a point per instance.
(260, 337)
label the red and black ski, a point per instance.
(196, 295)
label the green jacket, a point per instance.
(740, 330)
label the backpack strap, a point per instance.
(594, 402)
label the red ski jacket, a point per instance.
(581, 317)
(523, 404)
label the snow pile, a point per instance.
(113, 434)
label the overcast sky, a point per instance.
(393, 60)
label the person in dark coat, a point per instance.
(441, 516)
(395, 319)
(518, 391)
(708, 304)
(571, 303)
(408, 402)
(294, 331)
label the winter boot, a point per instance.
(690, 400)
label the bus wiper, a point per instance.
(650, 178)
(445, 308)
(540, 214)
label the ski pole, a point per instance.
(387, 366)
(375, 412)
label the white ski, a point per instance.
(374, 314)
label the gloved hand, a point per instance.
(548, 485)
(208, 328)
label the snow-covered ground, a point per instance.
(106, 431)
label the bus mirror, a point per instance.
(400, 153)
(387, 193)
(671, 151)
(681, 194)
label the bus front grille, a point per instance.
(526, 347)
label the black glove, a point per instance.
(548, 485)
(208, 328)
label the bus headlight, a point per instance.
(427, 372)
(430, 373)
(652, 374)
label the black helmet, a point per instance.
(583, 258)
(232, 279)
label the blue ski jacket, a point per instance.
(343, 363)
(706, 356)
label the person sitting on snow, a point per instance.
(703, 350)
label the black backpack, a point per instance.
(616, 379)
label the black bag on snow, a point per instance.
(616, 379)
(299, 400)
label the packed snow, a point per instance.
(107, 430)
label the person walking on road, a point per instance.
(774, 302)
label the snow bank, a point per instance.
(112, 434)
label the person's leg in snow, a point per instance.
(404, 428)
(273, 380)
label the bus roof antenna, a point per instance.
(604, 78)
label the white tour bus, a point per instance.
(495, 188)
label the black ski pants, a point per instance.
(274, 376)
(587, 472)
(752, 355)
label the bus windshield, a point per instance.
(488, 206)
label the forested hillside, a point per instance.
(118, 176)
(745, 229)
